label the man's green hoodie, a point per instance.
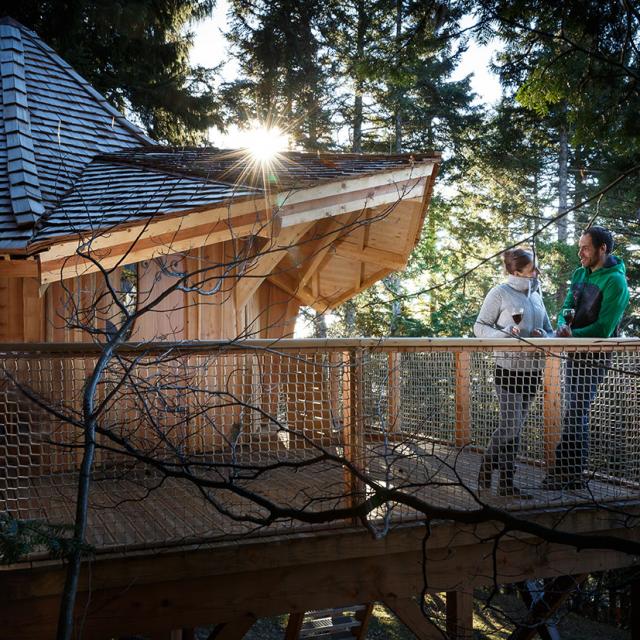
(599, 298)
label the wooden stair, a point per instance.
(342, 623)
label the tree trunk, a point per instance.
(392, 282)
(357, 104)
(563, 160)
(350, 318)
(319, 325)
(398, 115)
(581, 215)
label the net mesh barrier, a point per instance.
(227, 441)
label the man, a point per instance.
(599, 296)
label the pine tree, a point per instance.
(284, 78)
(135, 52)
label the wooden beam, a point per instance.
(128, 233)
(408, 611)
(288, 285)
(54, 268)
(393, 261)
(328, 233)
(376, 197)
(192, 587)
(399, 181)
(546, 630)
(331, 304)
(462, 361)
(363, 617)
(552, 427)
(555, 594)
(294, 624)
(27, 268)
(460, 614)
(416, 227)
(267, 261)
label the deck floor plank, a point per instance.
(133, 508)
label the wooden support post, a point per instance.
(232, 630)
(354, 425)
(363, 616)
(463, 402)
(546, 630)
(336, 365)
(394, 391)
(408, 611)
(552, 407)
(294, 625)
(554, 595)
(460, 614)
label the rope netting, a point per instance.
(199, 443)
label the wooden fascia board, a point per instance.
(153, 239)
(426, 199)
(345, 185)
(352, 195)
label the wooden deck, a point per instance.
(131, 509)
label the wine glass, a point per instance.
(569, 316)
(516, 314)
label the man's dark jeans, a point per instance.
(584, 373)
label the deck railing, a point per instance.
(248, 418)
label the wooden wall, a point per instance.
(31, 314)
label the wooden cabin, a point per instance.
(87, 200)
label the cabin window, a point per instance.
(127, 291)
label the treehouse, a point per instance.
(239, 473)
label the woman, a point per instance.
(513, 309)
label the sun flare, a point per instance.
(264, 142)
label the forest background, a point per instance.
(559, 149)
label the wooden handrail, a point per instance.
(338, 344)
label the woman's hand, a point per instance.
(515, 331)
(537, 333)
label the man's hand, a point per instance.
(537, 333)
(564, 331)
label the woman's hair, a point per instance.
(516, 259)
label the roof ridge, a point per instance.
(86, 85)
(22, 170)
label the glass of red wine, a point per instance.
(516, 314)
(569, 315)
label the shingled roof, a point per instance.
(288, 170)
(52, 124)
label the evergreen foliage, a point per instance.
(21, 537)
(135, 52)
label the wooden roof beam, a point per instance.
(328, 233)
(267, 261)
(290, 286)
(378, 275)
(393, 261)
